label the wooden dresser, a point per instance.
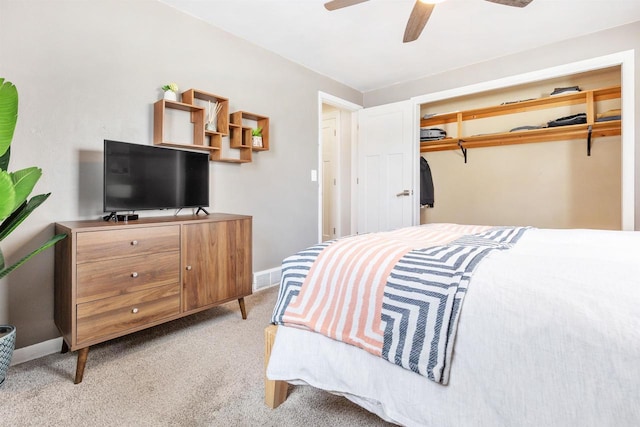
(115, 278)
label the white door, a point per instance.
(330, 191)
(387, 167)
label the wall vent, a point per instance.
(266, 278)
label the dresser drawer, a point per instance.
(113, 277)
(109, 317)
(106, 244)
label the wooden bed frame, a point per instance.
(275, 392)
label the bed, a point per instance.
(546, 332)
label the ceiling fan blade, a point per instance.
(515, 3)
(417, 20)
(339, 4)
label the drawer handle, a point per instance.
(188, 268)
(134, 243)
(135, 310)
(134, 274)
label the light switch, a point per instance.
(314, 175)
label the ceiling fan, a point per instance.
(420, 13)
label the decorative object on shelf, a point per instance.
(15, 207)
(256, 137)
(212, 116)
(170, 91)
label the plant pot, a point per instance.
(256, 141)
(170, 95)
(7, 345)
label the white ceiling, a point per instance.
(361, 46)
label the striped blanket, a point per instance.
(394, 294)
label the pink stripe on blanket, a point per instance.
(341, 296)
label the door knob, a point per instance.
(404, 193)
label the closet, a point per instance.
(534, 177)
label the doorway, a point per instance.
(336, 198)
(330, 172)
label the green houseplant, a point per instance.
(256, 137)
(170, 91)
(15, 205)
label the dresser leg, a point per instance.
(242, 309)
(65, 347)
(82, 360)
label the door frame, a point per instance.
(344, 105)
(624, 59)
(337, 193)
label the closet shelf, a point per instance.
(561, 133)
(584, 97)
(591, 129)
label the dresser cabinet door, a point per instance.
(217, 262)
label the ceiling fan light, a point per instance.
(432, 1)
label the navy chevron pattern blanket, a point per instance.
(394, 294)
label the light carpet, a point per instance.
(202, 370)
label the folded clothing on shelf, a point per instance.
(526, 127)
(615, 114)
(574, 119)
(565, 90)
(432, 134)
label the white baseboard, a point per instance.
(36, 351)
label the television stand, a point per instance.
(116, 279)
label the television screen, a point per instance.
(138, 177)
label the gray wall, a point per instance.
(90, 70)
(615, 40)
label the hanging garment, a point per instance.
(426, 184)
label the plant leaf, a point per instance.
(24, 180)
(55, 239)
(4, 160)
(8, 114)
(7, 195)
(20, 214)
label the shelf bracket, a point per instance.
(464, 150)
(589, 131)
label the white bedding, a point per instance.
(560, 345)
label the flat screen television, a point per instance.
(141, 177)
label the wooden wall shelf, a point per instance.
(240, 118)
(233, 126)
(560, 133)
